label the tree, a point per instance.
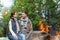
(4, 22)
(32, 7)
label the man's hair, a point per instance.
(25, 12)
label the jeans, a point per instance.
(20, 37)
(11, 37)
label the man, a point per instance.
(25, 24)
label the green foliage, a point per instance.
(4, 24)
(32, 7)
(1, 29)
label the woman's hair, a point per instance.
(13, 13)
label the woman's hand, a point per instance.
(15, 36)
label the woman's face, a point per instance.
(24, 15)
(15, 15)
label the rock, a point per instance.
(39, 35)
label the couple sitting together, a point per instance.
(18, 29)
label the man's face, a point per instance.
(24, 15)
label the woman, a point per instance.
(14, 33)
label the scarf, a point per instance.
(24, 22)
